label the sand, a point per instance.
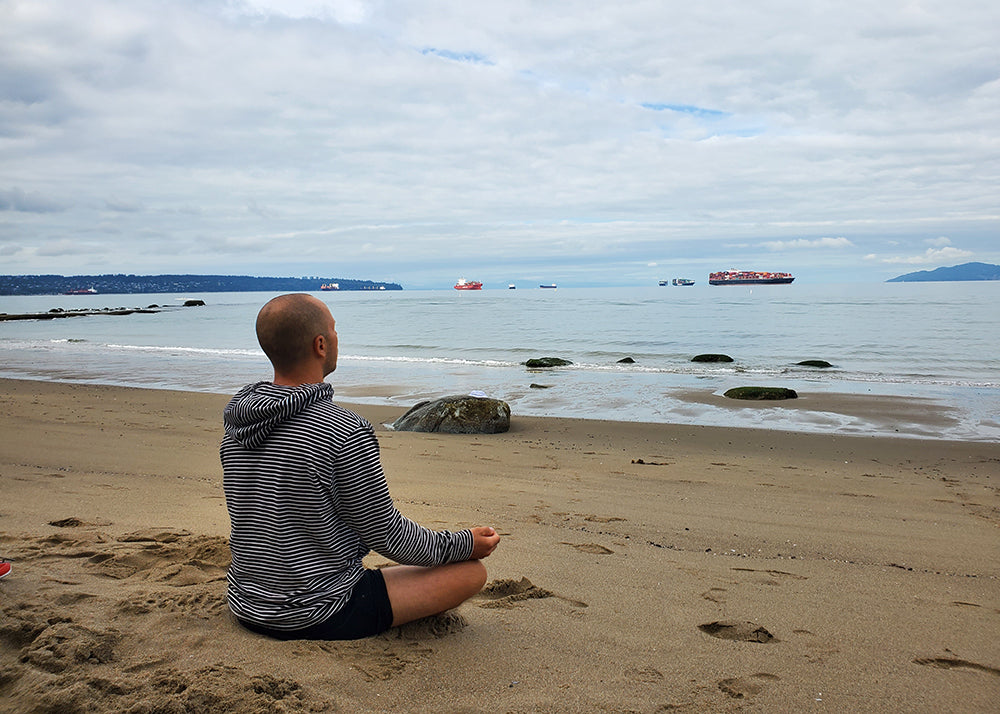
(643, 568)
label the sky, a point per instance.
(577, 143)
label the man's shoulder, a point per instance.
(344, 417)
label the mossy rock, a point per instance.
(457, 414)
(761, 393)
(821, 363)
(711, 358)
(547, 362)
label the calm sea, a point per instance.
(935, 341)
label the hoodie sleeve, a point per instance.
(367, 508)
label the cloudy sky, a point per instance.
(581, 143)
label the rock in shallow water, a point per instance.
(711, 358)
(543, 362)
(758, 393)
(821, 363)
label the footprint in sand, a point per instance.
(737, 631)
(433, 627)
(173, 558)
(744, 687)
(644, 675)
(593, 548)
(206, 604)
(508, 593)
(715, 595)
(777, 573)
(955, 663)
(65, 644)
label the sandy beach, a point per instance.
(643, 568)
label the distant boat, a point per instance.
(464, 284)
(330, 286)
(683, 281)
(664, 282)
(87, 291)
(551, 286)
(512, 287)
(748, 277)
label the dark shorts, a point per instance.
(368, 612)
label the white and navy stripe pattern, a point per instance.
(307, 501)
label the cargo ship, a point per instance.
(683, 282)
(464, 284)
(330, 286)
(748, 277)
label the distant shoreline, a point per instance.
(120, 284)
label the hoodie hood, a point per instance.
(256, 409)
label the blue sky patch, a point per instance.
(685, 109)
(470, 57)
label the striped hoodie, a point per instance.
(307, 501)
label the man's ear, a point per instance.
(319, 345)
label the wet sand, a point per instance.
(644, 567)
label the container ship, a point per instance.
(464, 284)
(748, 277)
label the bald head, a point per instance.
(287, 328)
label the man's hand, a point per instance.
(484, 540)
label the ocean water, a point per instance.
(938, 342)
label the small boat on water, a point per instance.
(664, 282)
(464, 284)
(683, 281)
(550, 286)
(330, 286)
(85, 291)
(748, 277)
(512, 287)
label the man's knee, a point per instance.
(480, 574)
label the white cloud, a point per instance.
(928, 257)
(807, 243)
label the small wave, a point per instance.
(429, 360)
(186, 350)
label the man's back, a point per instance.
(307, 500)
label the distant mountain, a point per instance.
(966, 271)
(129, 284)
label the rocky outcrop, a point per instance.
(547, 362)
(457, 414)
(711, 358)
(58, 312)
(761, 393)
(821, 363)
(626, 360)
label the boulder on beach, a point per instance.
(547, 362)
(711, 358)
(821, 363)
(761, 393)
(457, 414)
